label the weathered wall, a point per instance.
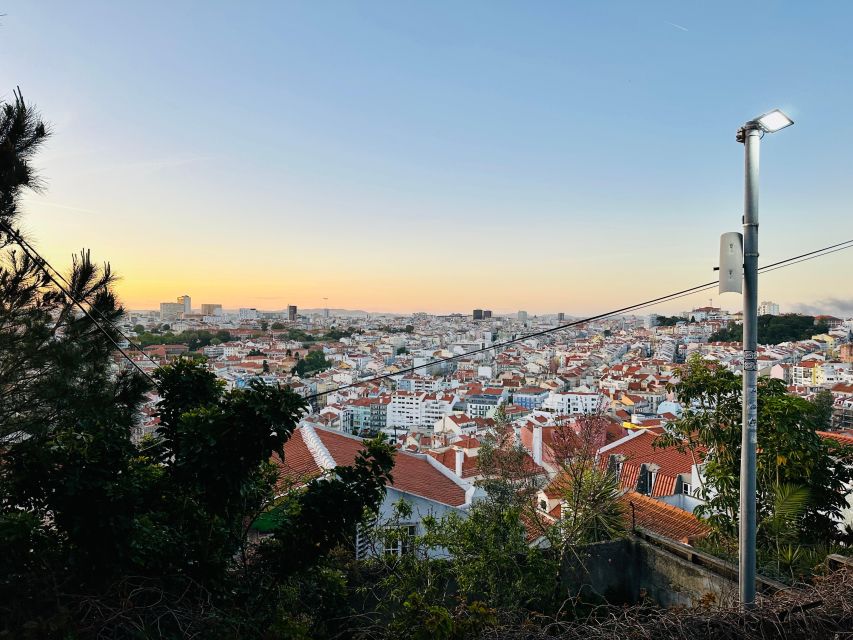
(673, 581)
(629, 570)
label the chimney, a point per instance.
(460, 458)
(537, 444)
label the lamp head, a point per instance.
(773, 121)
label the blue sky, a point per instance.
(435, 155)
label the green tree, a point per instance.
(313, 362)
(774, 329)
(668, 321)
(824, 402)
(138, 328)
(590, 509)
(264, 325)
(277, 326)
(140, 539)
(789, 450)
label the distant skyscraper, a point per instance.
(326, 312)
(187, 302)
(561, 317)
(522, 316)
(477, 314)
(487, 314)
(211, 309)
(768, 309)
(171, 310)
(291, 312)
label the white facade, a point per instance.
(768, 309)
(408, 410)
(574, 402)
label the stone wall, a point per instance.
(630, 570)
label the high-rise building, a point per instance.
(187, 302)
(291, 312)
(211, 309)
(522, 316)
(561, 317)
(487, 313)
(768, 309)
(171, 310)
(248, 313)
(477, 314)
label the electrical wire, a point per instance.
(46, 267)
(803, 257)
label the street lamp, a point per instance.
(750, 135)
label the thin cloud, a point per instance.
(146, 167)
(66, 207)
(677, 26)
(840, 306)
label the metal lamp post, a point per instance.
(750, 135)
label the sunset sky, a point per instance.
(435, 156)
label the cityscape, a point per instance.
(424, 321)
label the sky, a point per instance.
(435, 156)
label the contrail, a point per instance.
(678, 26)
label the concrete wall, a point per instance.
(631, 570)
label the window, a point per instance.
(686, 488)
(405, 544)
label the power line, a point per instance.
(21, 241)
(803, 257)
(46, 267)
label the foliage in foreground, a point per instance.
(803, 479)
(104, 537)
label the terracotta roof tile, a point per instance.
(661, 518)
(412, 472)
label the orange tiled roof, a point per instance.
(661, 518)
(470, 464)
(638, 451)
(412, 473)
(839, 436)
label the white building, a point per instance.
(248, 314)
(187, 302)
(575, 402)
(429, 488)
(408, 410)
(768, 309)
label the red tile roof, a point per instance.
(639, 450)
(840, 437)
(661, 518)
(470, 464)
(412, 472)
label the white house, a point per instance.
(424, 483)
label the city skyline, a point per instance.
(548, 158)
